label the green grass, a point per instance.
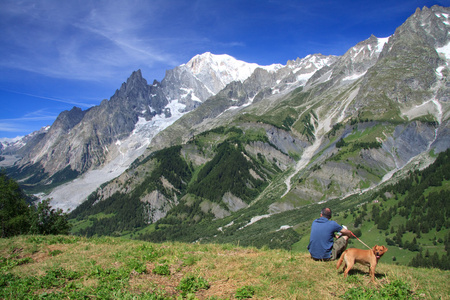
(113, 268)
(77, 225)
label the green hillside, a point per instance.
(409, 216)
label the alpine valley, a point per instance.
(231, 152)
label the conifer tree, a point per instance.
(14, 212)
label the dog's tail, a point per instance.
(341, 259)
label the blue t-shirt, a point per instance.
(321, 239)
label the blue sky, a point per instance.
(58, 54)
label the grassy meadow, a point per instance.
(69, 267)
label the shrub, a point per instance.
(395, 290)
(137, 265)
(55, 252)
(245, 292)
(192, 284)
(161, 270)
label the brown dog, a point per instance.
(366, 257)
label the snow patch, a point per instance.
(229, 224)
(381, 43)
(307, 155)
(354, 76)
(305, 77)
(439, 71)
(445, 50)
(254, 220)
(272, 68)
(442, 15)
(329, 75)
(191, 93)
(284, 227)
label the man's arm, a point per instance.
(346, 232)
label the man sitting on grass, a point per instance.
(321, 242)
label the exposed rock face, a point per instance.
(285, 141)
(283, 161)
(406, 71)
(352, 66)
(81, 139)
(24, 144)
(68, 119)
(410, 140)
(442, 141)
(214, 208)
(234, 203)
(156, 206)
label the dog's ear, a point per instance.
(385, 249)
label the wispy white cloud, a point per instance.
(26, 123)
(101, 40)
(79, 40)
(67, 101)
(38, 115)
(13, 127)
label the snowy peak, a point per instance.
(204, 76)
(304, 68)
(358, 59)
(223, 67)
(366, 50)
(430, 24)
(16, 147)
(444, 17)
(311, 62)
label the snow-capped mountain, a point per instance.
(207, 67)
(306, 67)
(98, 144)
(353, 64)
(204, 76)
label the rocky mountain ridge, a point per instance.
(107, 138)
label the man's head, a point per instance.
(326, 212)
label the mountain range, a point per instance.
(222, 139)
(107, 138)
